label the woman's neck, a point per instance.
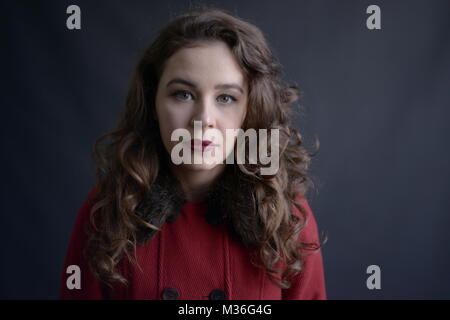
(196, 183)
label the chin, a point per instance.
(200, 167)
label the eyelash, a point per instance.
(176, 93)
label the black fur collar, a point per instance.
(230, 201)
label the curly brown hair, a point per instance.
(129, 158)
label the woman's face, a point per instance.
(203, 83)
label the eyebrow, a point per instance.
(217, 86)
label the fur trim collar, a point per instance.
(229, 201)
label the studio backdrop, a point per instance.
(375, 77)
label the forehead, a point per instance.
(206, 64)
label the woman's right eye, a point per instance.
(182, 95)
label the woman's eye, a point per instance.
(225, 98)
(182, 95)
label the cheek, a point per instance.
(235, 120)
(239, 116)
(244, 115)
(170, 118)
(166, 125)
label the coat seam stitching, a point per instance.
(160, 260)
(228, 287)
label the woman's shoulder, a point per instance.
(310, 231)
(301, 200)
(84, 210)
(90, 199)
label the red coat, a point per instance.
(191, 259)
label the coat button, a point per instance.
(170, 294)
(218, 294)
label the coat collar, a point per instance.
(228, 201)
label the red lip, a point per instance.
(195, 143)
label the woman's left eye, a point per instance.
(225, 98)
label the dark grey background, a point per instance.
(378, 101)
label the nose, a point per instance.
(204, 112)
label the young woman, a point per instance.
(152, 228)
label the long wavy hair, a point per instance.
(128, 158)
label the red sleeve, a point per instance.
(90, 287)
(310, 283)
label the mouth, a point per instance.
(201, 145)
